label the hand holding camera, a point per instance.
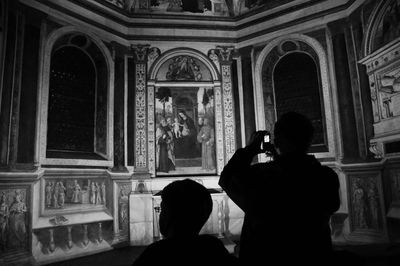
(260, 142)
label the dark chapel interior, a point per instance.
(88, 86)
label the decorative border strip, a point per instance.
(219, 129)
(230, 141)
(140, 141)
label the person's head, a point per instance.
(182, 114)
(206, 122)
(185, 208)
(163, 122)
(293, 133)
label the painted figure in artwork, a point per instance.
(4, 213)
(17, 222)
(187, 144)
(61, 194)
(76, 192)
(56, 194)
(206, 138)
(48, 192)
(123, 210)
(93, 193)
(176, 128)
(373, 205)
(165, 147)
(359, 206)
(98, 193)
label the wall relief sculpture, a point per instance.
(13, 219)
(389, 92)
(123, 206)
(365, 204)
(74, 194)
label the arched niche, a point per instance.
(268, 61)
(61, 84)
(383, 26)
(381, 49)
(184, 79)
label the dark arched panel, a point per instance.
(297, 88)
(72, 101)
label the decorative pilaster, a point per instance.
(151, 130)
(219, 129)
(141, 112)
(225, 56)
(10, 93)
(118, 53)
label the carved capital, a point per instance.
(225, 53)
(140, 52)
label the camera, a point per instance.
(266, 141)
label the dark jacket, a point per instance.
(287, 204)
(198, 250)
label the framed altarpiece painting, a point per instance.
(191, 125)
(185, 131)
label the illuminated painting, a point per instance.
(185, 132)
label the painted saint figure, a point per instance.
(165, 147)
(4, 213)
(92, 193)
(359, 206)
(56, 194)
(48, 192)
(373, 206)
(123, 210)
(17, 223)
(206, 138)
(98, 195)
(61, 194)
(186, 146)
(76, 192)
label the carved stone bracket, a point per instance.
(376, 149)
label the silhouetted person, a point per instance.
(287, 202)
(185, 208)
